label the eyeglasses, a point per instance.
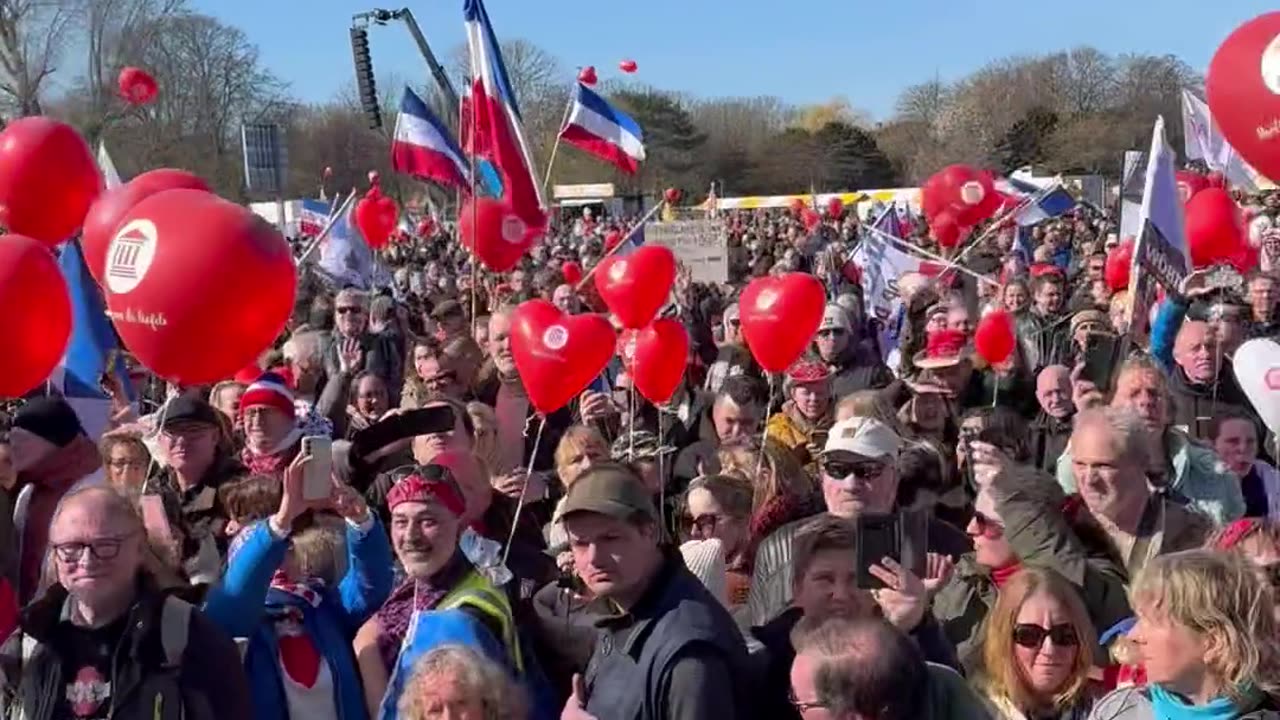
(1032, 636)
(350, 310)
(840, 469)
(103, 549)
(989, 527)
(802, 706)
(704, 525)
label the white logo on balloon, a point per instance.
(129, 255)
(1271, 65)
(618, 271)
(555, 337)
(971, 192)
(512, 229)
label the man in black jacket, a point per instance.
(670, 650)
(105, 641)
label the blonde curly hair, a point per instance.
(475, 676)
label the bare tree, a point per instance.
(32, 35)
(115, 33)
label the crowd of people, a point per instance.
(1070, 537)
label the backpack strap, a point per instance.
(175, 626)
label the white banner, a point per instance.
(699, 245)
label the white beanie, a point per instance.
(705, 559)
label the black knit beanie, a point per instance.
(50, 418)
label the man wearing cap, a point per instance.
(802, 423)
(197, 462)
(855, 364)
(859, 475)
(670, 649)
(51, 455)
(271, 431)
(428, 508)
(451, 320)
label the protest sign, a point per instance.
(699, 245)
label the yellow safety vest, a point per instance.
(477, 592)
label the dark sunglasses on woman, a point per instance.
(1032, 636)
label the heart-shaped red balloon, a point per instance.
(197, 286)
(635, 286)
(494, 232)
(48, 179)
(137, 86)
(994, 338)
(558, 355)
(779, 316)
(627, 66)
(1243, 90)
(1190, 183)
(587, 76)
(572, 272)
(105, 213)
(672, 195)
(1215, 231)
(946, 230)
(1116, 270)
(37, 314)
(661, 355)
(376, 216)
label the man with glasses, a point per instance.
(859, 475)
(106, 641)
(382, 351)
(853, 367)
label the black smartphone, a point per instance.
(403, 426)
(1100, 355)
(902, 537)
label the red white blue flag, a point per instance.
(422, 146)
(604, 131)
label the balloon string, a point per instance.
(524, 490)
(764, 434)
(662, 475)
(626, 240)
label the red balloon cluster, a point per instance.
(659, 361)
(1215, 232)
(377, 216)
(628, 66)
(496, 234)
(110, 208)
(137, 86)
(572, 272)
(1116, 269)
(197, 286)
(780, 315)
(587, 75)
(1243, 90)
(48, 179)
(558, 355)
(994, 338)
(635, 287)
(36, 308)
(955, 199)
(611, 240)
(1190, 183)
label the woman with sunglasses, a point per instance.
(1036, 651)
(1207, 638)
(719, 507)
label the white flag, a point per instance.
(108, 168)
(1203, 141)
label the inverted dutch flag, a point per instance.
(422, 146)
(495, 131)
(1046, 205)
(604, 131)
(314, 216)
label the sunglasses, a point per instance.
(840, 469)
(990, 528)
(350, 310)
(704, 524)
(1032, 636)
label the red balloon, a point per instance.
(946, 230)
(932, 200)
(426, 226)
(48, 179)
(1214, 229)
(994, 338)
(636, 286)
(377, 216)
(374, 177)
(780, 315)
(1243, 89)
(798, 205)
(558, 355)
(328, 171)
(966, 193)
(611, 240)
(137, 86)
(1119, 262)
(572, 272)
(106, 212)
(810, 218)
(489, 228)
(672, 195)
(587, 76)
(835, 207)
(197, 286)
(36, 308)
(628, 66)
(1246, 259)
(1190, 183)
(661, 353)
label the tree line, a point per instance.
(1074, 111)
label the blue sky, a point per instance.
(801, 52)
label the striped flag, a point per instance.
(599, 128)
(423, 147)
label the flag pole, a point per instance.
(333, 220)
(995, 223)
(926, 254)
(555, 147)
(626, 239)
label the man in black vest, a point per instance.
(670, 649)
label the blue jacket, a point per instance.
(243, 602)
(1164, 331)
